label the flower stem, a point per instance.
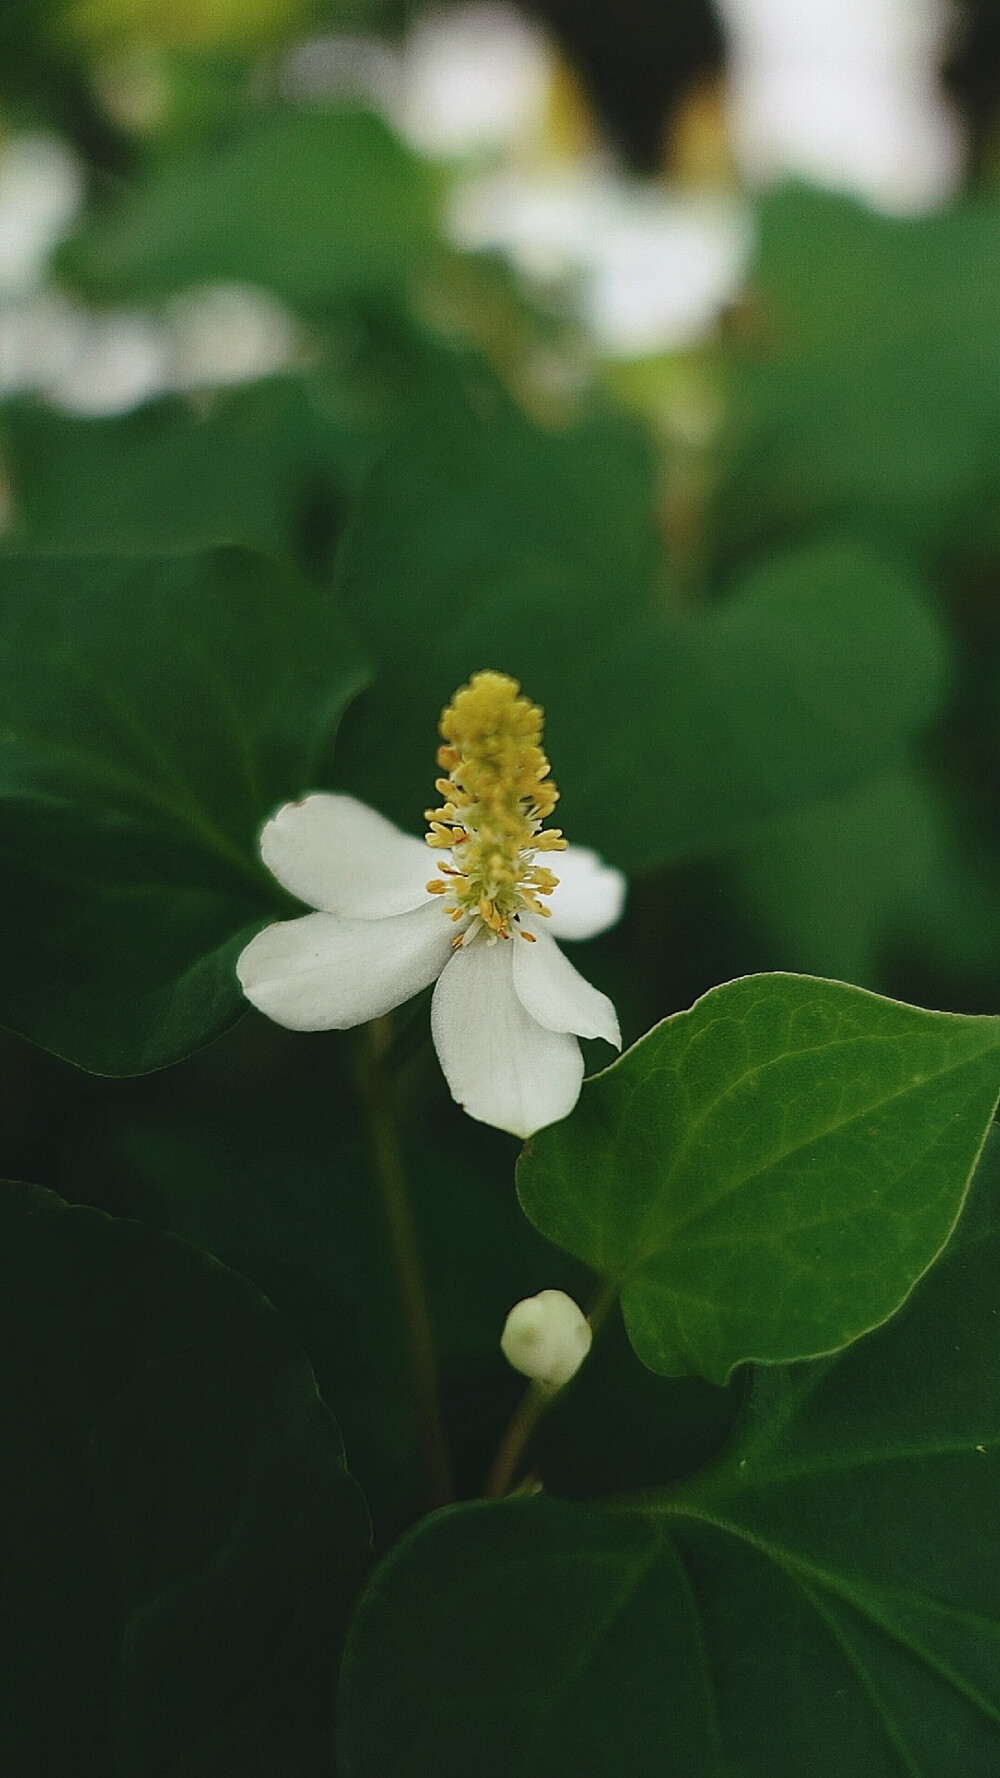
(516, 1439)
(404, 1248)
(537, 1398)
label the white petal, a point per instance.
(322, 973)
(555, 994)
(505, 1069)
(336, 854)
(589, 896)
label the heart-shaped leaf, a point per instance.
(824, 1600)
(766, 1176)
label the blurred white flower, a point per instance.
(644, 269)
(109, 363)
(227, 333)
(668, 269)
(546, 1337)
(41, 190)
(845, 94)
(124, 360)
(549, 223)
(474, 78)
(508, 1006)
(41, 338)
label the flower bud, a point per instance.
(546, 1337)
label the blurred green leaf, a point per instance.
(249, 468)
(861, 883)
(183, 1541)
(832, 882)
(822, 1601)
(155, 712)
(315, 206)
(484, 541)
(766, 1176)
(865, 387)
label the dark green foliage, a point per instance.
(183, 1539)
(156, 711)
(811, 1603)
(753, 1537)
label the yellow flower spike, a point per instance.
(497, 794)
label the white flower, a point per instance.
(645, 269)
(546, 1337)
(40, 340)
(508, 1006)
(474, 78)
(845, 93)
(41, 189)
(123, 361)
(227, 333)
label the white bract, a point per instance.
(474, 78)
(123, 361)
(647, 270)
(845, 93)
(227, 333)
(508, 1006)
(41, 189)
(546, 1337)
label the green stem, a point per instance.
(531, 1408)
(518, 1436)
(404, 1248)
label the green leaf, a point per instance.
(767, 1175)
(518, 1638)
(618, 1427)
(315, 206)
(256, 1151)
(887, 872)
(169, 477)
(183, 1541)
(155, 712)
(833, 882)
(864, 389)
(482, 541)
(824, 1600)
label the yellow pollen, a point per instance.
(496, 795)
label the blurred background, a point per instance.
(734, 271)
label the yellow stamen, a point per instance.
(497, 793)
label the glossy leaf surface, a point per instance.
(767, 1175)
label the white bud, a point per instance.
(546, 1337)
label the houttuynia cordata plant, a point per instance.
(497, 1280)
